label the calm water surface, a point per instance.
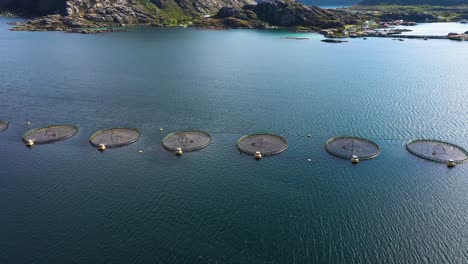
(440, 29)
(67, 203)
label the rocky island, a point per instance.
(102, 15)
(96, 16)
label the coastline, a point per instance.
(330, 38)
(8, 15)
(347, 22)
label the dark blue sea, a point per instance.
(68, 203)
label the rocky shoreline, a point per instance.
(80, 16)
(264, 15)
(99, 16)
(66, 24)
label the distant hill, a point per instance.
(325, 2)
(33, 7)
(329, 2)
(415, 2)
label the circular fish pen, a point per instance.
(186, 140)
(266, 144)
(436, 150)
(49, 134)
(347, 147)
(115, 137)
(3, 125)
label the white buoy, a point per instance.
(102, 147)
(29, 123)
(309, 160)
(451, 163)
(30, 143)
(309, 135)
(258, 155)
(179, 151)
(161, 129)
(354, 159)
(140, 151)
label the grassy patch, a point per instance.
(171, 14)
(174, 14)
(149, 6)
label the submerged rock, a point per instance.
(458, 37)
(333, 41)
(294, 38)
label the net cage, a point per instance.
(115, 137)
(267, 144)
(436, 150)
(3, 125)
(347, 147)
(189, 140)
(50, 133)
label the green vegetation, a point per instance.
(149, 6)
(302, 29)
(442, 13)
(172, 13)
